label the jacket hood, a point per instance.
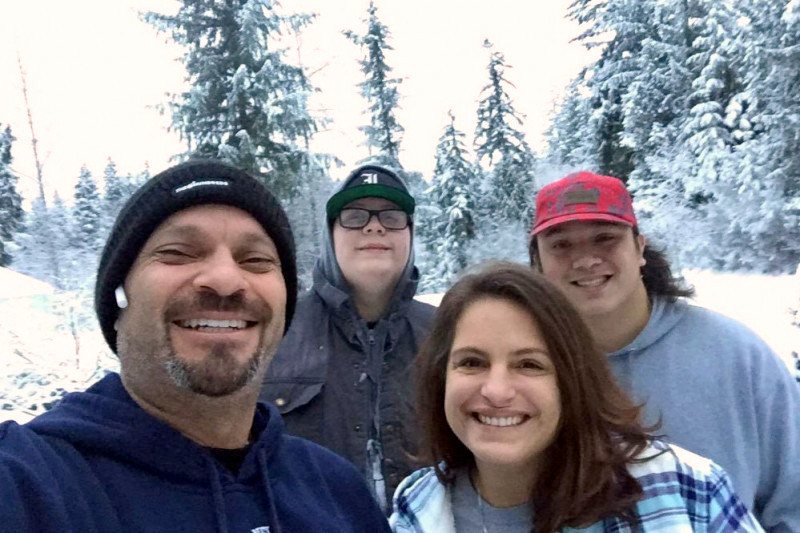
(330, 284)
(663, 318)
(105, 419)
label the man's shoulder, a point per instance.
(16, 438)
(420, 313)
(701, 316)
(26, 456)
(689, 321)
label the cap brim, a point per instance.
(344, 197)
(583, 217)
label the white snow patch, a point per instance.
(761, 302)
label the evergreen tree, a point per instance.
(246, 104)
(38, 238)
(11, 213)
(86, 213)
(118, 189)
(694, 102)
(570, 136)
(705, 131)
(500, 144)
(384, 132)
(453, 188)
(306, 211)
(621, 28)
(115, 190)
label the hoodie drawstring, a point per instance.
(274, 525)
(219, 500)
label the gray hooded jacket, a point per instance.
(347, 386)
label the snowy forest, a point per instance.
(689, 101)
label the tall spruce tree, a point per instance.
(570, 137)
(452, 194)
(384, 133)
(11, 213)
(501, 146)
(247, 104)
(695, 102)
(620, 28)
(705, 131)
(116, 192)
(86, 211)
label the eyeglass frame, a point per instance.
(376, 213)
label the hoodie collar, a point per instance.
(106, 420)
(331, 286)
(663, 317)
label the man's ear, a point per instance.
(642, 242)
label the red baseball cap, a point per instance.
(583, 196)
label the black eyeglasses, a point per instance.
(357, 218)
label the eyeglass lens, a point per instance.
(356, 218)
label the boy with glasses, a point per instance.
(342, 375)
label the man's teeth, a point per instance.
(501, 421)
(595, 282)
(197, 323)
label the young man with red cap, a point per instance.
(716, 387)
(342, 376)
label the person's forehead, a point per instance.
(372, 202)
(579, 226)
(200, 219)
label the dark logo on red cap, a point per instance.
(580, 196)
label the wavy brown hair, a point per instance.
(585, 477)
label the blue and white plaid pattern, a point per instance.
(683, 492)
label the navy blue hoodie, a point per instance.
(98, 462)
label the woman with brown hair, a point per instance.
(527, 430)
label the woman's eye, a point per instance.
(531, 364)
(469, 362)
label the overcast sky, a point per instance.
(95, 73)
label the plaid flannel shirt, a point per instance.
(683, 492)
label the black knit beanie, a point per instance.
(196, 182)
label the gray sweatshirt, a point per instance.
(721, 392)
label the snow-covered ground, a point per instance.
(41, 356)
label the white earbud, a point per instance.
(122, 300)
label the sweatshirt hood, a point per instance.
(330, 284)
(105, 419)
(663, 318)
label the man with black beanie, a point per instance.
(342, 377)
(195, 289)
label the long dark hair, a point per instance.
(585, 477)
(656, 273)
